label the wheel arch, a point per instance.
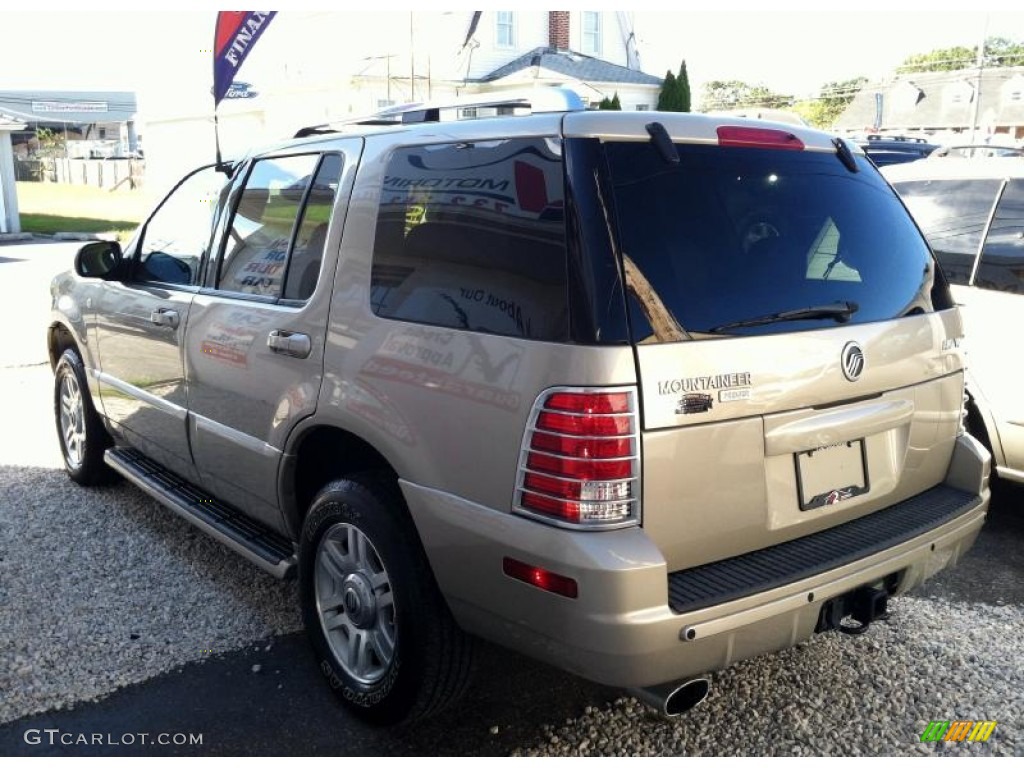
(317, 454)
(58, 338)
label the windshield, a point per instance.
(730, 234)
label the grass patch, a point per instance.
(43, 224)
(49, 208)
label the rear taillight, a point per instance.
(580, 462)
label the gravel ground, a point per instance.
(871, 694)
(100, 588)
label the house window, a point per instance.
(592, 32)
(642, 107)
(1016, 95)
(506, 29)
(385, 103)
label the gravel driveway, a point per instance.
(101, 589)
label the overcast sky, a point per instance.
(165, 57)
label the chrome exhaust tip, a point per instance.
(673, 699)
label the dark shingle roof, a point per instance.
(572, 64)
(925, 100)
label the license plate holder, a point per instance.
(830, 474)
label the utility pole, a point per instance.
(977, 90)
(412, 61)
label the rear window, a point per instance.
(728, 237)
(952, 214)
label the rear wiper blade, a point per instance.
(841, 311)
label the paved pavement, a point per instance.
(25, 273)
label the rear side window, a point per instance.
(730, 236)
(952, 214)
(1002, 259)
(276, 239)
(311, 234)
(472, 236)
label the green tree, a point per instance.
(51, 143)
(736, 94)
(832, 100)
(667, 96)
(683, 86)
(612, 103)
(999, 52)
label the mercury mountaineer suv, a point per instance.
(637, 394)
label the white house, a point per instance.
(340, 71)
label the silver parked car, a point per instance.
(972, 213)
(637, 394)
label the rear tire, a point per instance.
(381, 631)
(82, 436)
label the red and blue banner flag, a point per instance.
(237, 32)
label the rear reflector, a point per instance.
(541, 578)
(580, 463)
(759, 138)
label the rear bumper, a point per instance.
(622, 630)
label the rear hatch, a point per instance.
(796, 348)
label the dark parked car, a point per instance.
(891, 150)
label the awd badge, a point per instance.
(697, 402)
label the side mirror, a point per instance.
(102, 260)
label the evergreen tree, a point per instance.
(668, 90)
(683, 86)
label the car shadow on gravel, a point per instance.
(275, 702)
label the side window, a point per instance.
(311, 235)
(177, 236)
(952, 215)
(256, 252)
(1002, 259)
(472, 236)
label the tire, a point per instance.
(381, 631)
(83, 438)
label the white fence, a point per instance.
(94, 173)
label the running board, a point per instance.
(258, 544)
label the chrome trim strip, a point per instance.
(985, 231)
(165, 406)
(241, 439)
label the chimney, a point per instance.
(558, 30)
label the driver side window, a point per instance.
(176, 239)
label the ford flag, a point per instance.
(237, 33)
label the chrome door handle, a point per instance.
(164, 317)
(288, 343)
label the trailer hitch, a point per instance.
(862, 606)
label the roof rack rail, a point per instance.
(537, 100)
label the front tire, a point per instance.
(381, 631)
(83, 439)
